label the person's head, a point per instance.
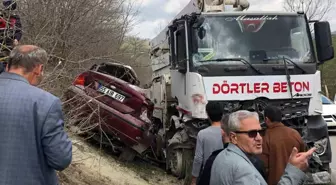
(9, 4)
(244, 130)
(272, 114)
(28, 61)
(214, 111)
(224, 122)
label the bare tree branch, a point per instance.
(315, 9)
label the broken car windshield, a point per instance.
(120, 72)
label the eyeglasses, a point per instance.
(252, 133)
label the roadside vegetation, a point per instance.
(329, 75)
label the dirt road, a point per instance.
(93, 166)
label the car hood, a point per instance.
(329, 109)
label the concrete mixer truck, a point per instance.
(244, 60)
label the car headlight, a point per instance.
(144, 115)
(321, 146)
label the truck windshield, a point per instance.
(259, 39)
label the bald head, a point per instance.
(26, 48)
(27, 57)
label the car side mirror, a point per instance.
(323, 38)
(93, 67)
(137, 83)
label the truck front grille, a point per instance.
(291, 108)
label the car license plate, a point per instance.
(111, 93)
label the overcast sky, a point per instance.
(155, 14)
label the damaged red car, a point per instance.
(109, 97)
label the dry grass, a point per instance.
(76, 174)
(93, 166)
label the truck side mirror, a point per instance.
(181, 50)
(325, 50)
(182, 66)
(198, 23)
(201, 33)
(194, 41)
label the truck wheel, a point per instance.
(188, 157)
(176, 163)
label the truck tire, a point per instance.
(188, 156)
(176, 164)
(180, 163)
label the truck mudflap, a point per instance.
(317, 135)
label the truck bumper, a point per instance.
(317, 131)
(323, 177)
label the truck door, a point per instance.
(180, 58)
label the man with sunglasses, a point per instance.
(278, 143)
(233, 167)
(206, 172)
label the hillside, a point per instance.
(92, 165)
(137, 53)
(328, 72)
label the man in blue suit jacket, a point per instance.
(33, 143)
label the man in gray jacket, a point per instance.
(208, 139)
(233, 167)
(33, 141)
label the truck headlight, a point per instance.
(321, 146)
